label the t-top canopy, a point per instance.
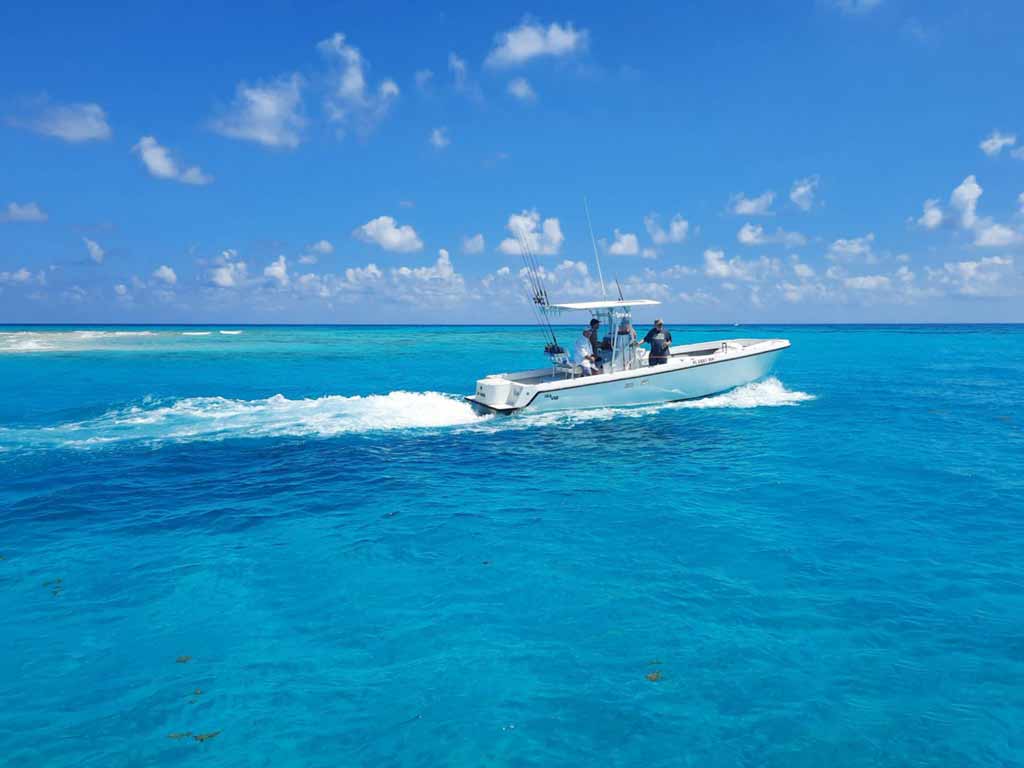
(606, 304)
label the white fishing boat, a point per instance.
(626, 375)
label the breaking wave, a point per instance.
(219, 418)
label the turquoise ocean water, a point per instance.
(302, 541)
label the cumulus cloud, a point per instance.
(165, 274)
(73, 123)
(803, 191)
(931, 216)
(752, 206)
(315, 250)
(531, 40)
(717, 266)
(801, 270)
(868, 282)
(845, 250)
(23, 212)
(473, 244)
(678, 228)
(266, 113)
(965, 199)
(990, 276)
(435, 285)
(350, 100)
(751, 234)
(624, 244)
(22, 276)
(996, 142)
(989, 234)
(521, 89)
(159, 163)
(439, 138)
(96, 252)
(277, 271)
(544, 239)
(228, 271)
(385, 232)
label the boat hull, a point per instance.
(679, 379)
(658, 386)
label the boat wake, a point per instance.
(220, 418)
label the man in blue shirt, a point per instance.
(659, 338)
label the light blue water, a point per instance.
(825, 568)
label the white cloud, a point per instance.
(751, 234)
(868, 283)
(802, 192)
(544, 239)
(803, 271)
(521, 89)
(989, 234)
(121, 290)
(856, 6)
(532, 40)
(459, 70)
(322, 247)
(315, 250)
(990, 276)
(931, 217)
(700, 296)
(385, 232)
(474, 244)
(424, 77)
(439, 138)
(1018, 153)
(72, 122)
(965, 199)
(229, 272)
(677, 230)
(996, 142)
(436, 285)
(850, 249)
(277, 271)
(349, 98)
(716, 266)
(27, 212)
(752, 206)
(1020, 201)
(649, 253)
(22, 276)
(625, 244)
(165, 274)
(159, 163)
(678, 270)
(269, 114)
(96, 253)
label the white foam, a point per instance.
(218, 418)
(767, 393)
(230, 333)
(196, 333)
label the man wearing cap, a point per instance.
(659, 338)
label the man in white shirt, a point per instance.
(583, 354)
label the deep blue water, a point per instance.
(825, 568)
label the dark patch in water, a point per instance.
(183, 659)
(207, 736)
(654, 676)
(182, 735)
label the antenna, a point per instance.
(619, 287)
(593, 242)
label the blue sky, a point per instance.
(802, 161)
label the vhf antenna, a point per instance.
(593, 242)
